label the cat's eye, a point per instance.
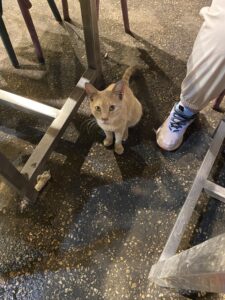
(97, 108)
(112, 107)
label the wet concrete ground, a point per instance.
(103, 219)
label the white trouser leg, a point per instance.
(205, 78)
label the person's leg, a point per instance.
(205, 79)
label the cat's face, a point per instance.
(105, 105)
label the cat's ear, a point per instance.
(90, 90)
(119, 88)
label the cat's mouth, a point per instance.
(104, 122)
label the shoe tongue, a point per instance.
(181, 108)
(184, 111)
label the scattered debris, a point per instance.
(42, 180)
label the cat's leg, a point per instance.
(125, 135)
(118, 142)
(109, 138)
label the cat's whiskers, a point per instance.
(88, 125)
(85, 123)
(91, 125)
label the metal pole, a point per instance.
(91, 36)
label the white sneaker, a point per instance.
(171, 133)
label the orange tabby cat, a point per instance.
(115, 109)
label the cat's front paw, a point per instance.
(107, 142)
(119, 149)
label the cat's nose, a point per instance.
(104, 119)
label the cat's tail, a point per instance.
(128, 73)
